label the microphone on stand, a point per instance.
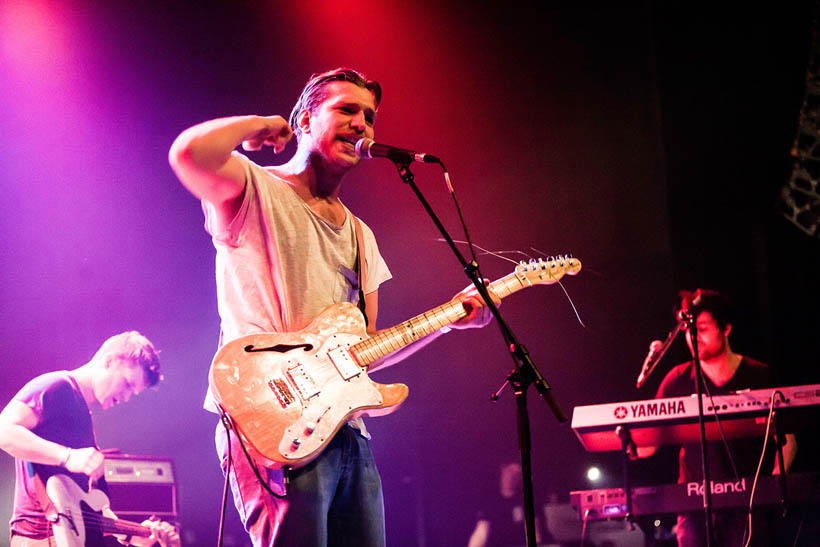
(368, 148)
(652, 359)
(688, 300)
(657, 349)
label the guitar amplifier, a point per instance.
(141, 486)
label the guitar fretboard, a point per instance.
(115, 526)
(416, 328)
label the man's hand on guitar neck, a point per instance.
(161, 531)
(478, 314)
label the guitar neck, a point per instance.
(414, 329)
(117, 526)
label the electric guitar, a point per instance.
(76, 517)
(287, 394)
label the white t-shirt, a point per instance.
(279, 264)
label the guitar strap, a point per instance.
(41, 495)
(361, 267)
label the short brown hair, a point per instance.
(135, 348)
(314, 91)
(714, 302)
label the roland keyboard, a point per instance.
(674, 420)
(606, 503)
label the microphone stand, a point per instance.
(689, 319)
(647, 370)
(525, 372)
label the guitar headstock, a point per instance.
(548, 271)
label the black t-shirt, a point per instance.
(64, 418)
(680, 382)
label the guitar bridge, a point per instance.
(282, 391)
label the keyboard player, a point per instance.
(725, 372)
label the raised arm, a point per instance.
(202, 157)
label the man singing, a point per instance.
(286, 249)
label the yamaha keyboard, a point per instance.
(674, 420)
(606, 503)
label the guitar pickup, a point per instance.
(345, 364)
(303, 381)
(282, 391)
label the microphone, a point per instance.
(367, 149)
(649, 363)
(688, 301)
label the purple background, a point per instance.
(649, 142)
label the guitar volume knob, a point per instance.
(310, 427)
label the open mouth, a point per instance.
(351, 140)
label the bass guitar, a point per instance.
(287, 394)
(76, 516)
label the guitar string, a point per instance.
(91, 517)
(445, 314)
(48, 530)
(393, 339)
(569, 298)
(421, 325)
(499, 254)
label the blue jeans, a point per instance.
(334, 501)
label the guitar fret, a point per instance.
(507, 285)
(431, 323)
(363, 352)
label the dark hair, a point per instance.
(714, 302)
(314, 91)
(137, 350)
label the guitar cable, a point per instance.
(747, 533)
(228, 425)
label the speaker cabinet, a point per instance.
(141, 486)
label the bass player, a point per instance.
(47, 428)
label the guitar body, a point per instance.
(288, 394)
(76, 517)
(75, 525)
